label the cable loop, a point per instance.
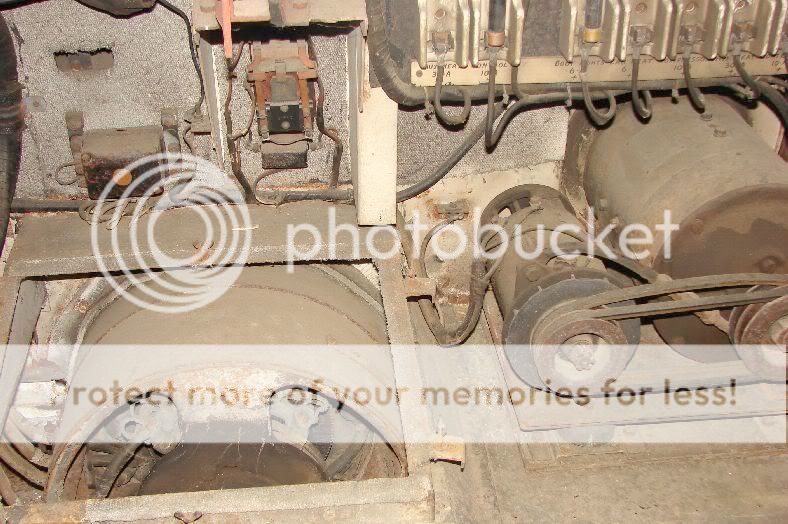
(641, 100)
(436, 101)
(696, 97)
(597, 116)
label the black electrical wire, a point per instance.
(753, 84)
(479, 131)
(443, 169)
(598, 117)
(762, 89)
(440, 111)
(320, 120)
(515, 84)
(478, 287)
(192, 47)
(489, 139)
(777, 100)
(641, 100)
(696, 97)
(235, 157)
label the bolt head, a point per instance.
(122, 177)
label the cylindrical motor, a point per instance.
(710, 174)
(532, 281)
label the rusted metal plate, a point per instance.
(106, 153)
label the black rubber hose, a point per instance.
(385, 68)
(10, 127)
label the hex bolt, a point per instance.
(122, 177)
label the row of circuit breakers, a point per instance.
(658, 28)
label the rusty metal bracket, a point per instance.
(419, 287)
(448, 449)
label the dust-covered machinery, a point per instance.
(554, 135)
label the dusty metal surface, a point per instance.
(716, 178)
(69, 249)
(409, 498)
(152, 70)
(20, 304)
(416, 423)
